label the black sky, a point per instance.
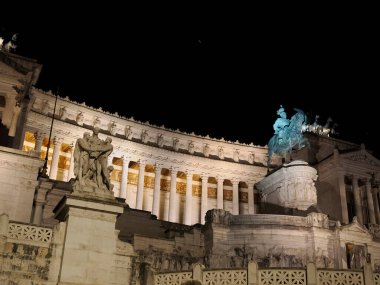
(222, 78)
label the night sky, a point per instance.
(226, 79)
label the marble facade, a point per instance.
(180, 202)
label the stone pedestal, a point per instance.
(91, 239)
(291, 186)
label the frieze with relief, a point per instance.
(363, 157)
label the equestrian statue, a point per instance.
(287, 134)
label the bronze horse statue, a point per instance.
(291, 136)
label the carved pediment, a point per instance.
(355, 227)
(6, 69)
(363, 157)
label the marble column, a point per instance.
(173, 204)
(219, 193)
(110, 160)
(71, 166)
(376, 204)
(55, 159)
(124, 177)
(189, 198)
(157, 190)
(204, 197)
(251, 198)
(371, 208)
(358, 204)
(343, 198)
(140, 185)
(235, 197)
(39, 136)
(40, 200)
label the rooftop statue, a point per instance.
(90, 163)
(287, 134)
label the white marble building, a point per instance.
(155, 169)
(324, 212)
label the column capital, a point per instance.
(220, 179)
(235, 181)
(204, 176)
(158, 167)
(173, 170)
(142, 163)
(71, 150)
(189, 172)
(38, 135)
(250, 184)
(126, 158)
(58, 140)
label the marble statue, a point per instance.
(221, 152)
(160, 140)
(128, 132)
(80, 119)
(63, 113)
(90, 162)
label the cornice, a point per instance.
(152, 154)
(40, 94)
(79, 114)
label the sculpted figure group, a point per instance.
(90, 161)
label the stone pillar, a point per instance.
(157, 189)
(235, 197)
(4, 228)
(251, 198)
(219, 193)
(376, 202)
(40, 200)
(198, 272)
(124, 177)
(13, 126)
(172, 196)
(140, 185)
(189, 197)
(358, 204)
(39, 136)
(55, 159)
(311, 270)
(71, 166)
(371, 208)
(83, 244)
(253, 273)
(343, 199)
(368, 274)
(204, 197)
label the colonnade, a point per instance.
(172, 212)
(371, 203)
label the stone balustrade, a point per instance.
(23, 232)
(269, 276)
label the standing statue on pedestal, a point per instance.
(90, 163)
(287, 134)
